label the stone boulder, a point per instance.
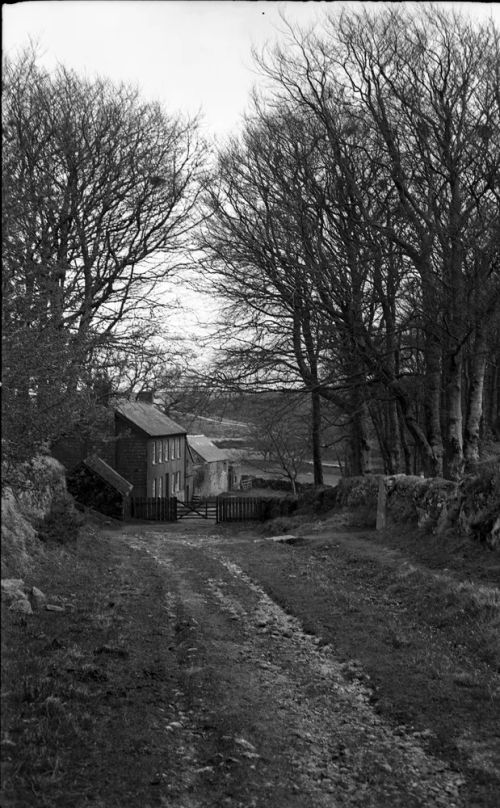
(22, 606)
(13, 589)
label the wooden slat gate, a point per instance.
(160, 509)
(239, 509)
(196, 509)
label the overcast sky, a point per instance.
(189, 55)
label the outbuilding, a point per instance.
(212, 471)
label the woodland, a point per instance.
(350, 232)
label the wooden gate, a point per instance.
(160, 509)
(197, 509)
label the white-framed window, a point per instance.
(176, 482)
(153, 452)
(154, 487)
(165, 449)
(160, 487)
(160, 452)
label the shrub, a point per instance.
(275, 508)
(62, 523)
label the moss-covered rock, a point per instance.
(355, 492)
(404, 493)
(479, 506)
(40, 508)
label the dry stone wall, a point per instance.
(470, 507)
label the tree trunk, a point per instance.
(393, 443)
(454, 422)
(404, 442)
(360, 453)
(377, 420)
(432, 406)
(475, 401)
(316, 437)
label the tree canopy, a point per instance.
(354, 229)
(100, 198)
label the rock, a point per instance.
(51, 607)
(245, 744)
(494, 538)
(13, 588)
(22, 606)
(37, 598)
(464, 679)
(284, 538)
(112, 650)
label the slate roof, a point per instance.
(206, 449)
(108, 474)
(148, 418)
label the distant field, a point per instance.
(331, 475)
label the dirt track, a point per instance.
(202, 692)
(269, 718)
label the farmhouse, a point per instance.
(150, 450)
(145, 447)
(211, 470)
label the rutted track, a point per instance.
(267, 717)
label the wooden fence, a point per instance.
(222, 509)
(239, 509)
(160, 509)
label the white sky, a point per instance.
(190, 55)
(187, 54)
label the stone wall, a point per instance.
(24, 512)
(471, 507)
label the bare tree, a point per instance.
(282, 433)
(422, 92)
(100, 198)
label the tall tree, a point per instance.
(100, 195)
(423, 94)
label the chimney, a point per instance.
(146, 396)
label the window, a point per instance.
(153, 453)
(160, 451)
(160, 487)
(176, 482)
(172, 448)
(154, 487)
(165, 449)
